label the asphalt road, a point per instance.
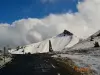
(37, 64)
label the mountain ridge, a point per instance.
(89, 42)
(58, 42)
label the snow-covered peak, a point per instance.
(58, 43)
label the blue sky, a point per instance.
(11, 10)
(25, 29)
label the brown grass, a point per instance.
(69, 65)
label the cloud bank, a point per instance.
(26, 31)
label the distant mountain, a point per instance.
(59, 42)
(89, 42)
(95, 35)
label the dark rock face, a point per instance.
(67, 33)
(96, 44)
(50, 47)
(98, 34)
(91, 38)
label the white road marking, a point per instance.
(53, 66)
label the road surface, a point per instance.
(32, 65)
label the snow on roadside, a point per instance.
(7, 59)
(84, 61)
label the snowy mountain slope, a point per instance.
(74, 41)
(97, 34)
(58, 42)
(89, 42)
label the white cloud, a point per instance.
(25, 31)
